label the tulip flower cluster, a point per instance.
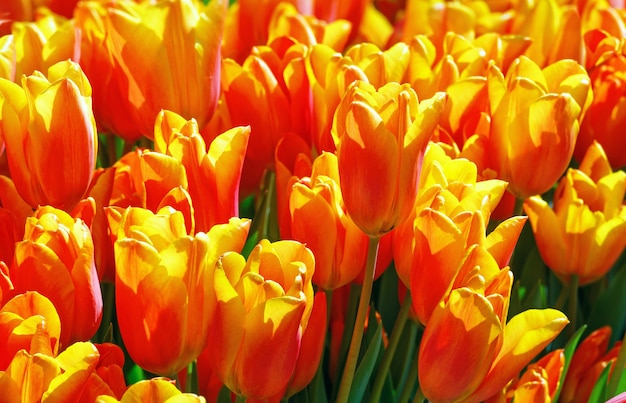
(264, 201)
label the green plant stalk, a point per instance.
(396, 334)
(359, 324)
(407, 391)
(191, 386)
(519, 207)
(618, 369)
(572, 305)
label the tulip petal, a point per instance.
(525, 336)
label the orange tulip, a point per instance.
(56, 258)
(215, 194)
(535, 119)
(588, 362)
(469, 352)
(607, 113)
(329, 73)
(584, 232)
(50, 135)
(318, 219)
(80, 373)
(381, 137)
(162, 283)
(153, 390)
(137, 57)
(20, 318)
(540, 380)
(36, 46)
(262, 309)
(268, 92)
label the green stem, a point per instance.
(572, 305)
(618, 369)
(240, 399)
(407, 391)
(359, 324)
(562, 298)
(396, 334)
(191, 386)
(519, 207)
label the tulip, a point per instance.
(535, 119)
(80, 373)
(469, 354)
(286, 21)
(262, 93)
(381, 137)
(262, 309)
(215, 194)
(50, 135)
(541, 379)
(588, 362)
(56, 258)
(153, 390)
(36, 46)
(329, 74)
(607, 113)
(584, 232)
(554, 29)
(138, 55)
(319, 220)
(162, 282)
(20, 319)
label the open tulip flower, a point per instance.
(584, 232)
(215, 195)
(82, 372)
(163, 280)
(381, 136)
(49, 133)
(262, 310)
(470, 350)
(20, 319)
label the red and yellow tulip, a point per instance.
(56, 258)
(263, 308)
(381, 136)
(584, 232)
(50, 135)
(163, 283)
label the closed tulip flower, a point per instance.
(163, 279)
(319, 220)
(56, 258)
(50, 135)
(584, 232)
(142, 57)
(535, 120)
(381, 136)
(262, 309)
(540, 381)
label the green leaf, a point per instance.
(135, 374)
(224, 396)
(604, 312)
(367, 364)
(568, 351)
